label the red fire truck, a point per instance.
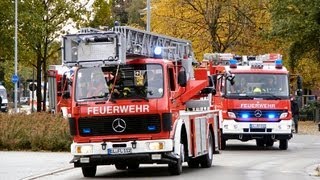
(253, 94)
(135, 98)
(59, 87)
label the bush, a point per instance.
(308, 110)
(37, 131)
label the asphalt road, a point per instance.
(241, 161)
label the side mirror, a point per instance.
(230, 77)
(66, 95)
(209, 90)
(182, 78)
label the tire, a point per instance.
(223, 144)
(283, 144)
(176, 168)
(260, 142)
(133, 166)
(89, 171)
(269, 143)
(193, 163)
(206, 160)
(120, 166)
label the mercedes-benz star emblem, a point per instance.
(119, 125)
(257, 113)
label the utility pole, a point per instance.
(16, 79)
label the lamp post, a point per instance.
(148, 15)
(16, 56)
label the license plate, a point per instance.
(258, 126)
(119, 150)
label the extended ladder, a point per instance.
(117, 45)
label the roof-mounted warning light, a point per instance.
(233, 63)
(278, 63)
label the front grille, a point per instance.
(140, 124)
(264, 115)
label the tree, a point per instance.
(101, 14)
(214, 25)
(298, 23)
(41, 22)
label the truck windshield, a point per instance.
(266, 86)
(125, 82)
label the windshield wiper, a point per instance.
(95, 97)
(271, 96)
(239, 96)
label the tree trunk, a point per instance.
(39, 94)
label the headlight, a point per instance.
(283, 115)
(231, 114)
(284, 127)
(84, 149)
(156, 145)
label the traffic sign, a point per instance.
(15, 78)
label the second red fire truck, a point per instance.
(254, 98)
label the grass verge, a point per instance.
(35, 132)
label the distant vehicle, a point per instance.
(3, 94)
(24, 100)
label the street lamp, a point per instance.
(15, 77)
(148, 15)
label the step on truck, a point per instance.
(136, 99)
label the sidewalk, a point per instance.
(25, 165)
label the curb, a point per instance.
(48, 173)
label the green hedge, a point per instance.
(36, 132)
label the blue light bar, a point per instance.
(278, 63)
(233, 63)
(271, 116)
(245, 115)
(86, 130)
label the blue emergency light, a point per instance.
(233, 63)
(245, 115)
(278, 63)
(151, 128)
(86, 130)
(271, 116)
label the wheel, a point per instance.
(193, 163)
(133, 165)
(120, 166)
(283, 145)
(260, 142)
(176, 168)
(269, 143)
(206, 160)
(223, 143)
(89, 171)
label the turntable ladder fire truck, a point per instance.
(254, 98)
(153, 107)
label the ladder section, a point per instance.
(142, 43)
(94, 47)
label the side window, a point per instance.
(171, 79)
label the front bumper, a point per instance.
(140, 152)
(253, 130)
